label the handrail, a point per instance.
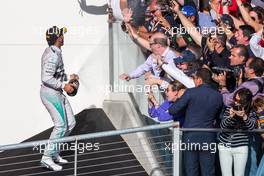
(89, 136)
(120, 132)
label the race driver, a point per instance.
(54, 82)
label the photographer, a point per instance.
(254, 70)
(234, 148)
(232, 79)
(215, 52)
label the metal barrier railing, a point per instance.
(85, 161)
(80, 162)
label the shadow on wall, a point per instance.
(138, 7)
(91, 9)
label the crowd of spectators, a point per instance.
(208, 56)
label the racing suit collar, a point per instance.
(58, 50)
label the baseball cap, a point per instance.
(186, 56)
(227, 19)
(188, 11)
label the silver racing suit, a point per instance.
(53, 80)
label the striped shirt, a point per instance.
(236, 139)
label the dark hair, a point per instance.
(176, 86)
(245, 96)
(139, 9)
(247, 30)
(204, 5)
(243, 51)
(222, 37)
(258, 103)
(52, 41)
(257, 64)
(194, 66)
(260, 13)
(205, 75)
(247, 6)
(196, 50)
(162, 41)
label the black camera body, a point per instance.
(237, 108)
(236, 71)
(218, 70)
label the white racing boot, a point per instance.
(49, 163)
(59, 159)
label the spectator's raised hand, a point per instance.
(153, 81)
(164, 22)
(175, 6)
(221, 78)
(152, 99)
(127, 14)
(211, 43)
(232, 112)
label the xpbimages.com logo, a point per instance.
(80, 147)
(192, 146)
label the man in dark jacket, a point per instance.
(202, 106)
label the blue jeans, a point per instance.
(253, 153)
(260, 171)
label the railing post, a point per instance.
(176, 151)
(75, 157)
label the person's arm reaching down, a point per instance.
(178, 75)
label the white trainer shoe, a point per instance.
(59, 159)
(49, 163)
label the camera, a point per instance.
(124, 27)
(218, 70)
(236, 71)
(227, 2)
(237, 107)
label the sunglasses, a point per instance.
(253, 18)
(153, 11)
(181, 63)
(152, 43)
